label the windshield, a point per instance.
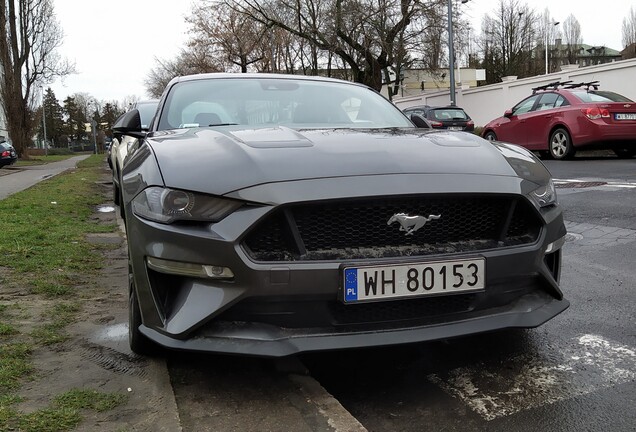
(600, 96)
(269, 102)
(449, 114)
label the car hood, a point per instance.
(226, 159)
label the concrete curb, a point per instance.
(336, 415)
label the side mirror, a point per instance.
(420, 121)
(129, 124)
(508, 113)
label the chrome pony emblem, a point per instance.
(410, 224)
(627, 105)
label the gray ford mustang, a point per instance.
(270, 215)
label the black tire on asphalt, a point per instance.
(625, 153)
(139, 344)
(490, 136)
(560, 145)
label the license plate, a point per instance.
(457, 128)
(625, 116)
(371, 283)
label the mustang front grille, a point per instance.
(359, 229)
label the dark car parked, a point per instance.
(449, 117)
(561, 117)
(122, 143)
(275, 214)
(8, 155)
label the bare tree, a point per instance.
(364, 34)
(629, 27)
(507, 34)
(229, 34)
(572, 38)
(189, 61)
(29, 37)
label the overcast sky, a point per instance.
(114, 43)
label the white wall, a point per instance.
(488, 102)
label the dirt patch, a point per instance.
(95, 355)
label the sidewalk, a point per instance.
(14, 180)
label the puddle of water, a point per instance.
(114, 332)
(106, 209)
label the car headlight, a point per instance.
(545, 195)
(166, 205)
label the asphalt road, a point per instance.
(575, 373)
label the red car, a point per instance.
(561, 117)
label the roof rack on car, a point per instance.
(590, 84)
(553, 85)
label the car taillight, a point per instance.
(596, 113)
(470, 123)
(437, 124)
(6, 154)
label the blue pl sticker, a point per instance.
(351, 284)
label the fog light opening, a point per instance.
(189, 269)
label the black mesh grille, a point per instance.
(400, 309)
(360, 229)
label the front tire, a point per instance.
(560, 145)
(490, 136)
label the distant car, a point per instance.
(449, 117)
(121, 144)
(561, 117)
(8, 155)
(270, 215)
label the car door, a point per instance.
(539, 121)
(513, 127)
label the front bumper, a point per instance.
(283, 308)
(256, 339)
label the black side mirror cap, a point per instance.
(130, 124)
(420, 121)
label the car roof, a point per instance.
(225, 75)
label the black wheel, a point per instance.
(490, 136)
(624, 153)
(139, 344)
(560, 145)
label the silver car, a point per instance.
(121, 144)
(270, 215)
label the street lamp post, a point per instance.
(547, 32)
(46, 152)
(451, 52)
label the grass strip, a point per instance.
(43, 246)
(42, 160)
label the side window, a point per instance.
(561, 101)
(547, 101)
(525, 105)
